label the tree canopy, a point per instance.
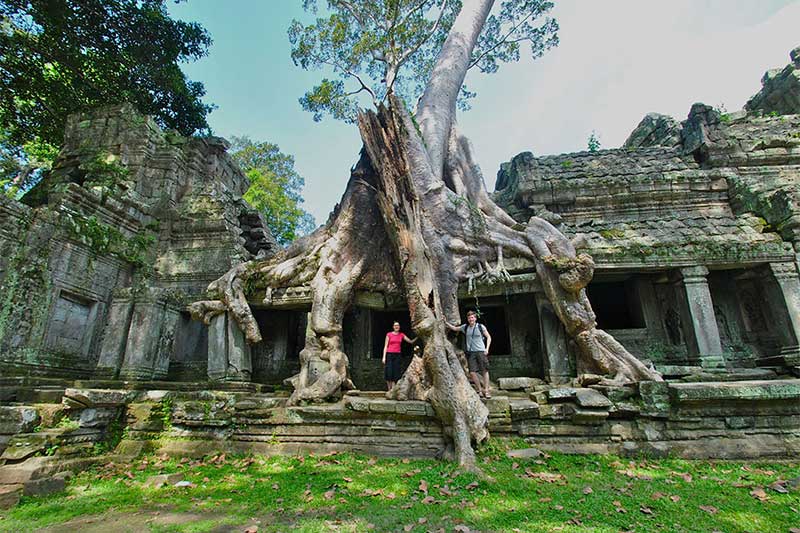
(58, 57)
(377, 47)
(274, 189)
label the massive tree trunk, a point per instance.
(416, 218)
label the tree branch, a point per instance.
(503, 41)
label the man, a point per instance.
(477, 351)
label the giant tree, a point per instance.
(415, 216)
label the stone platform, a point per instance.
(50, 427)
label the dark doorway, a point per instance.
(382, 324)
(616, 305)
(494, 318)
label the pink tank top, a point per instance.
(395, 342)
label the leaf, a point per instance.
(423, 486)
(675, 498)
(779, 487)
(461, 528)
(251, 529)
(472, 486)
(422, 520)
(710, 509)
(646, 510)
(329, 494)
(587, 490)
(347, 480)
(657, 495)
(391, 496)
(759, 494)
(409, 527)
(427, 500)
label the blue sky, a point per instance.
(617, 61)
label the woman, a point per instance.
(392, 361)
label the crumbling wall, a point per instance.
(101, 256)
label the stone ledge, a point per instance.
(772, 390)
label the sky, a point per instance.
(617, 61)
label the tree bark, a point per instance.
(416, 218)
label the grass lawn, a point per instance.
(345, 492)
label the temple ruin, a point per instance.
(694, 227)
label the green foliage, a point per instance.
(275, 188)
(593, 143)
(566, 164)
(374, 47)
(724, 116)
(57, 58)
(165, 413)
(310, 493)
(68, 424)
(103, 239)
(22, 166)
(611, 234)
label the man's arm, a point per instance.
(488, 338)
(451, 327)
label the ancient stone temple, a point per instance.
(694, 227)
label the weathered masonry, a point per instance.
(694, 227)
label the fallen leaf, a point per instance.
(391, 496)
(372, 461)
(657, 495)
(514, 466)
(409, 527)
(710, 509)
(759, 494)
(645, 510)
(251, 529)
(329, 494)
(347, 480)
(472, 486)
(275, 486)
(675, 498)
(461, 528)
(427, 500)
(779, 487)
(587, 490)
(422, 520)
(423, 486)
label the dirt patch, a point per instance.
(141, 521)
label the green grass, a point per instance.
(346, 492)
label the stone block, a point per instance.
(97, 417)
(18, 419)
(382, 406)
(523, 409)
(99, 397)
(518, 383)
(498, 406)
(655, 398)
(46, 485)
(10, 495)
(592, 398)
(526, 453)
(589, 416)
(21, 473)
(22, 446)
(539, 397)
(562, 394)
(624, 410)
(556, 410)
(768, 390)
(156, 482)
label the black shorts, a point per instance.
(394, 367)
(478, 362)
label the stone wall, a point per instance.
(98, 260)
(702, 216)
